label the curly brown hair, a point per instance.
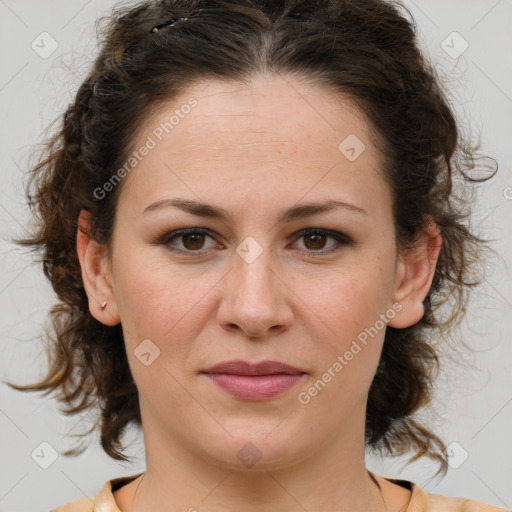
(364, 49)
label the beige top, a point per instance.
(420, 501)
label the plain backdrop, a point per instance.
(46, 48)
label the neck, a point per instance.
(333, 479)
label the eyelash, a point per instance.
(342, 240)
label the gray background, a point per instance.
(473, 405)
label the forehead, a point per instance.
(271, 108)
(220, 137)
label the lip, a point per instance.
(239, 367)
(254, 381)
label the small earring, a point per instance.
(104, 305)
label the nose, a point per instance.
(256, 298)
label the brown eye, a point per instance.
(192, 240)
(315, 240)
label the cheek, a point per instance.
(146, 293)
(348, 342)
(351, 300)
(161, 302)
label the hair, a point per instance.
(363, 50)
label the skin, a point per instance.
(256, 149)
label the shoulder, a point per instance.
(437, 502)
(103, 500)
(81, 505)
(421, 501)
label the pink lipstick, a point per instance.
(260, 381)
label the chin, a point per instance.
(261, 452)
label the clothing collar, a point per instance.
(104, 501)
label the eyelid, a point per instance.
(169, 236)
(341, 238)
(337, 235)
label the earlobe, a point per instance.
(96, 276)
(415, 273)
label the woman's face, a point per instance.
(251, 286)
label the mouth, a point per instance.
(240, 367)
(254, 382)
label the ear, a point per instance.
(96, 273)
(415, 272)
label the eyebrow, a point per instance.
(295, 212)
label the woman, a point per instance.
(249, 220)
